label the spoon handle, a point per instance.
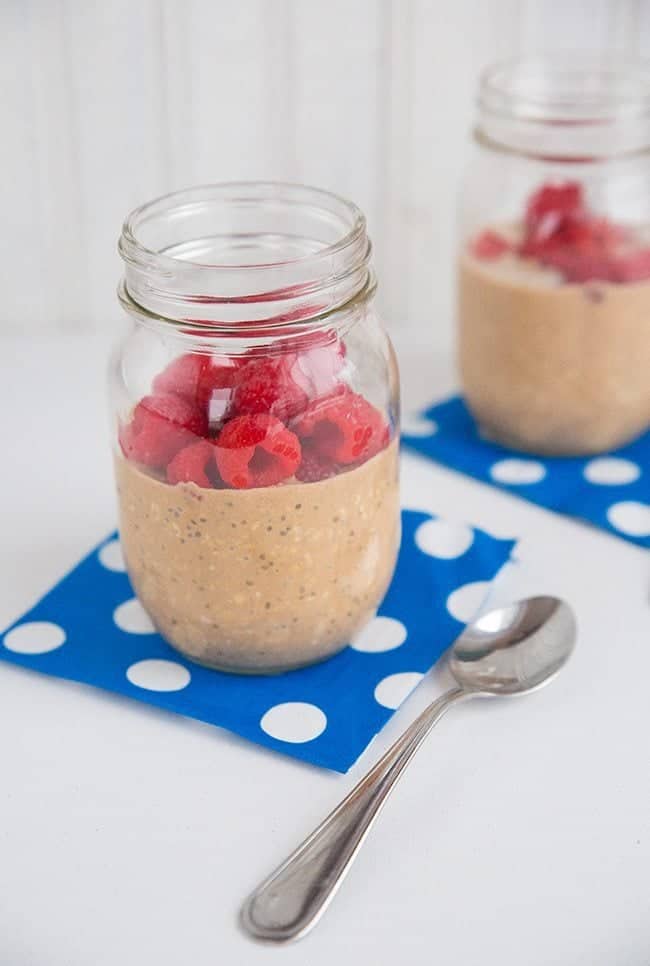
(290, 902)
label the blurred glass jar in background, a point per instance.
(256, 423)
(554, 265)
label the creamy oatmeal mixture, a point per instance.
(554, 338)
(551, 367)
(270, 578)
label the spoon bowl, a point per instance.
(514, 649)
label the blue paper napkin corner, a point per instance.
(610, 491)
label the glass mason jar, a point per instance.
(554, 262)
(256, 416)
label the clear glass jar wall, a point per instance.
(554, 263)
(256, 408)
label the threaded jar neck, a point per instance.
(247, 252)
(568, 108)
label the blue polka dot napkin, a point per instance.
(90, 628)
(611, 491)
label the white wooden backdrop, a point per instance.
(106, 104)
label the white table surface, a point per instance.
(129, 836)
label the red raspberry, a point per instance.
(181, 376)
(195, 464)
(562, 234)
(343, 427)
(256, 450)
(555, 217)
(161, 425)
(219, 373)
(634, 267)
(604, 233)
(577, 266)
(206, 380)
(582, 234)
(266, 385)
(489, 245)
(314, 466)
(550, 205)
(320, 358)
(311, 360)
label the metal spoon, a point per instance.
(509, 651)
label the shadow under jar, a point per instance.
(256, 424)
(554, 267)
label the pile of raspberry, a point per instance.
(560, 232)
(254, 420)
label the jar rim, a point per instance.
(566, 108)
(569, 88)
(130, 244)
(238, 251)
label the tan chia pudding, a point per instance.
(272, 577)
(554, 336)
